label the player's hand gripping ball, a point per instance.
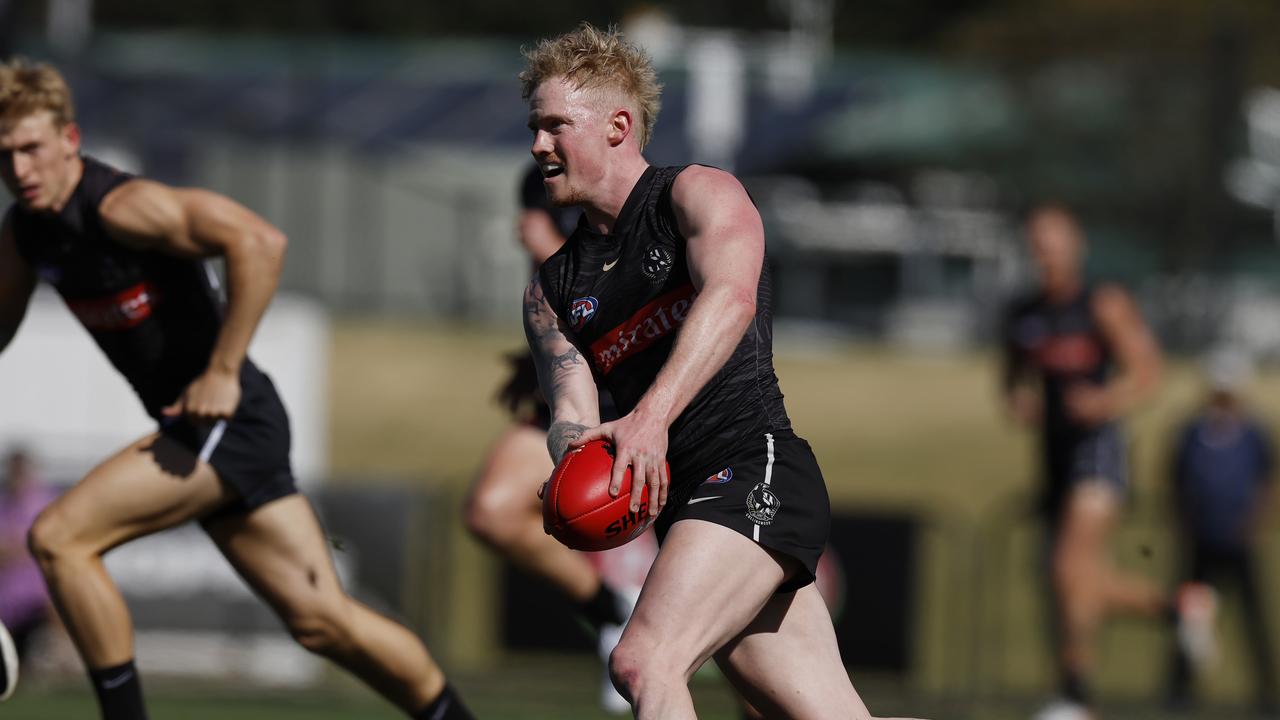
(577, 509)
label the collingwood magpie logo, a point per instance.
(762, 505)
(657, 263)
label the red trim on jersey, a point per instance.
(121, 311)
(1074, 353)
(648, 325)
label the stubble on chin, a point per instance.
(569, 198)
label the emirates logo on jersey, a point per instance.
(121, 311)
(647, 326)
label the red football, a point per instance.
(576, 506)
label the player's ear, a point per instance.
(71, 137)
(619, 126)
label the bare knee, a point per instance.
(50, 538)
(322, 626)
(493, 518)
(634, 665)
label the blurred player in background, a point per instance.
(1223, 469)
(662, 297)
(1077, 359)
(128, 257)
(24, 602)
(503, 509)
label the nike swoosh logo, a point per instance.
(695, 501)
(609, 266)
(116, 682)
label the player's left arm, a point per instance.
(725, 249)
(198, 223)
(1137, 354)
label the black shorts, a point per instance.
(250, 452)
(1096, 456)
(769, 489)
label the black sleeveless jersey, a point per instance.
(624, 297)
(155, 316)
(1063, 344)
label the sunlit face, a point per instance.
(571, 140)
(38, 160)
(1057, 248)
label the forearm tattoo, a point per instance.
(554, 356)
(559, 435)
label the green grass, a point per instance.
(536, 687)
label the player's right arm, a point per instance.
(563, 373)
(17, 281)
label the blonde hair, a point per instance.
(592, 58)
(27, 87)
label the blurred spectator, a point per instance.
(1222, 472)
(24, 604)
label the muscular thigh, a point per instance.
(707, 584)
(787, 661)
(153, 484)
(1091, 511)
(280, 550)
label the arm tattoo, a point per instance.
(566, 359)
(559, 435)
(560, 366)
(543, 330)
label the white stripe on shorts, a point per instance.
(768, 477)
(211, 443)
(212, 276)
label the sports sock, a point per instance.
(603, 608)
(119, 692)
(446, 706)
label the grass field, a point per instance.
(523, 688)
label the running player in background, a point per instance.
(1077, 359)
(128, 257)
(662, 297)
(503, 509)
